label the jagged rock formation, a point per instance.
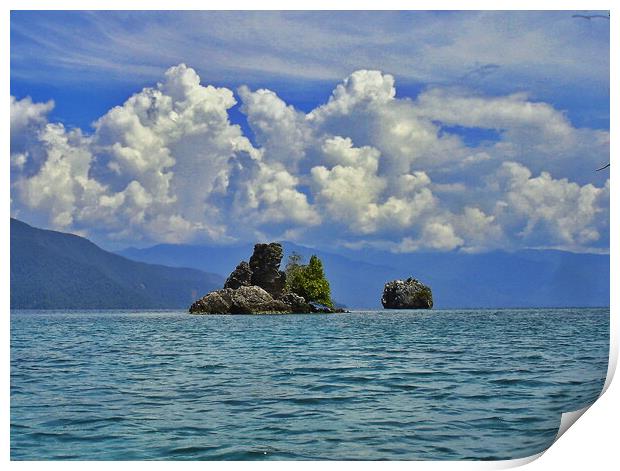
(241, 276)
(257, 287)
(407, 294)
(265, 267)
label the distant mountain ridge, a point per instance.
(55, 270)
(527, 278)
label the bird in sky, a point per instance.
(603, 167)
(589, 17)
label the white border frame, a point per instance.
(592, 442)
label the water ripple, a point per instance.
(385, 385)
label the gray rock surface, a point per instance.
(241, 276)
(244, 300)
(215, 302)
(296, 302)
(265, 266)
(318, 307)
(407, 294)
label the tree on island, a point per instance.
(308, 281)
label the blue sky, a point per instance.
(66, 56)
(394, 130)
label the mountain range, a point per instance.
(526, 278)
(54, 270)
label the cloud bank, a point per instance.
(365, 168)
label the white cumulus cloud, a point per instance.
(366, 168)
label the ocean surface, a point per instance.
(398, 385)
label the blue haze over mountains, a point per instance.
(54, 270)
(529, 278)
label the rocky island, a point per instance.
(407, 294)
(260, 287)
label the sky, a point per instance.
(401, 131)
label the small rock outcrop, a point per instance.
(407, 294)
(318, 307)
(297, 303)
(257, 287)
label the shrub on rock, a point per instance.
(308, 281)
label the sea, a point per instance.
(383, 385)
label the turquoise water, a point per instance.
(115, 385)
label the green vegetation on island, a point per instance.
(260, 287)
(308, 281)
